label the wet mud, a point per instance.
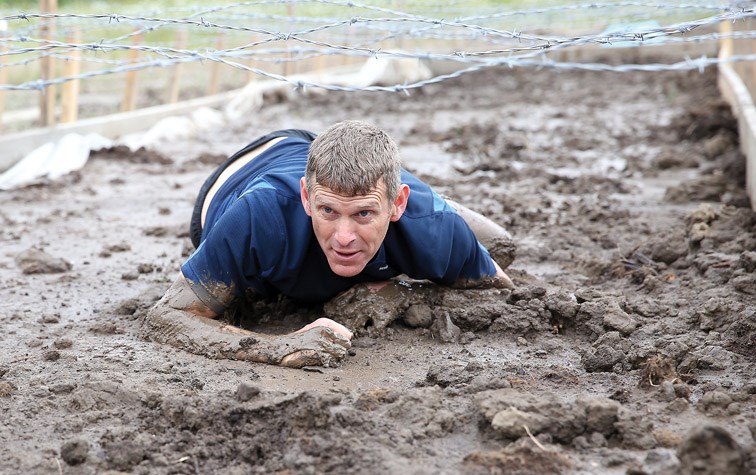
(627, 347)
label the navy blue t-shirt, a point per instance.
(257, 236)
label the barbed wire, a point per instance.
(297, 54)
(477, 30)
(489, 44)
(546, 42)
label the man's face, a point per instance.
(350, 229)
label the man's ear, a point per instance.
(304, 195)
(400, 203)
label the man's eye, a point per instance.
(363, 214)
(327, 210)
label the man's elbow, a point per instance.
(501, 278)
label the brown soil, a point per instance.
(628, 346)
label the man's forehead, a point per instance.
(322, 192)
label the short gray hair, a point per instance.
(351, 157)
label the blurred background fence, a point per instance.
(77, 59)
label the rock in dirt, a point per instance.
(444, 329)
(562, 305)
(74, 452)
(748, 261)
(607, 351)
(63, 343)
(509, 409)
(104, 328)
(511, 422)
(711, 450)
(745, 283)
(475, 310)
(100, 395)
(126, 454)
(446, 375)
(472, 377)
(372, 399)
(418, 316)
(528, 292)
(602, 359)
(609, 313)
(600, 414)
(702, 188)
(620, 321)
(34, 261)
(704, 213)
(715, 402)
(518, 460)
(668, 438)
(635, 431)
(245, 392)
(666, 248)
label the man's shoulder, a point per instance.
(274, 205)
(425, 203)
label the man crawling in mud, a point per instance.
(311, 217)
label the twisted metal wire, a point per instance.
(362, 36)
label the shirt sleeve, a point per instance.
(438, 246)
(464, 256)
(243, 246)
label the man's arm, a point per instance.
(491, 235)
(181, 319)
(502, 278)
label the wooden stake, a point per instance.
(725, 45)
(175, 85)
(47, 66)
(212, 87)
(70, 90)
(288, 65)
(130, 90)
(252, 63)
(320, 64)
(3, 80)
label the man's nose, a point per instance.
(344, 232)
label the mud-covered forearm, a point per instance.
(190, 332)
(213, 339)
(181, 296)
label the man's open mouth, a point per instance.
(346, 255)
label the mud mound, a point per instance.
(141, 155)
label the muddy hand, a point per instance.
(337, 328)
(318, 346)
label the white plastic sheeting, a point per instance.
(71, 152)
(53, 160)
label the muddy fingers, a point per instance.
(318, 346)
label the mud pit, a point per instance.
(627, 347)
